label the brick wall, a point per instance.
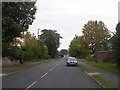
(102, 55)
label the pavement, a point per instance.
(54, 74)
(108, 76)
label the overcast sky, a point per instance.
(69, 16)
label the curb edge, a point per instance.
(96, 81)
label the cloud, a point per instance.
(69, 16)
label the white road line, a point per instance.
(51, 69)
(54, 66)
(41, 77)
(31, 85)
(44, 75)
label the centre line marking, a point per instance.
(44, 75)
(51, 69)
(54, 66)
(31, 85)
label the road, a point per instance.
(54, 74)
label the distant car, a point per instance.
(71, 61)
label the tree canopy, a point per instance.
(63, 52)
(78, 47)
(74, 49)
(97, 35)
(115, 41)
(52, 40)
(16, 18)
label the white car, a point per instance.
(71, 61)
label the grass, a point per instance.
(103, 82)
(33, 61)
(25, 67)
(83, 67)
(104, 65)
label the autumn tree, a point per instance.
(97, 35)
(52, 40)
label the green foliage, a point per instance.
(115, 41)
(104, 65)
(52, 41)
(35, 49)
(83, 68)
(74, 49)
(13, 52)
(78, 47)
(64, 52)
(57, 54)
(97, 35)
(103, 82)
(16, 18)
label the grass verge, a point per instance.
(104, 65)
(25, 67)
(83, 67)
(103, 82)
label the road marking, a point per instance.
(44, 75)
(31, 85)
(51, 69)
(54, 66)
(41, 77)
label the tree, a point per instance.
(35, 49)
(52, 40)
(16, 18)
(63, 52)
(115, 41)
(97, 35)
(74, 47)
(78, 47)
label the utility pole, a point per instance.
(96, 40)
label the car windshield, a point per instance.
(72, 59)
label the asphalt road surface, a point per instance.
(54, 74)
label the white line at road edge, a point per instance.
(44, 75)
(31, 85)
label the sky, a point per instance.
(69, 16)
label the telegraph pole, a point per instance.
(97, 39)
